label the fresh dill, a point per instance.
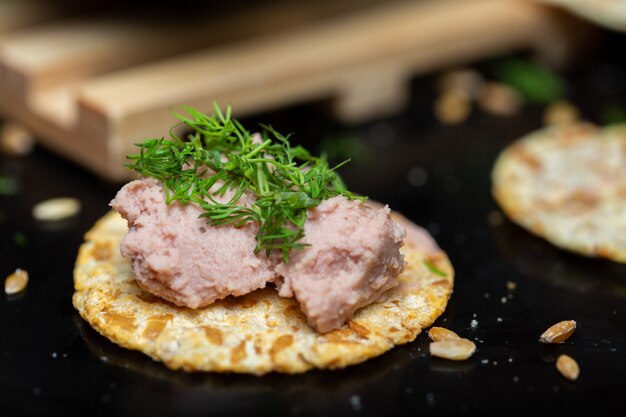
(20, 239)
(432, 268)
(220, 156)
(535, 82)
(8, 185)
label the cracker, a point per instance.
(608, 13)
(567, 184)
(256, 333)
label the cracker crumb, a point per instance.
(503, 300)
(511, 286)
(484, 361)
(474, 323)
(355, 400)
(495, 218)
(499, 319)
(430, 399)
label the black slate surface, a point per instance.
(53, 363)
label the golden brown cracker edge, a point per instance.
(256, 333)
(583, 220)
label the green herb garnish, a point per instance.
(432, 268)
(536, 83)
(8, 185)
(220, 155)
(20, 239)
(613, 114)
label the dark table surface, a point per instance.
(52, 362)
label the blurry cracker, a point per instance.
(257, 333)
(567, 184)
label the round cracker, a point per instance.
(608, 13)
(256, 333)
(568, 185)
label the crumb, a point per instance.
(430, 399)
(495, 218)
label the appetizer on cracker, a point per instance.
(238, 252)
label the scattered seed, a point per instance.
(15, 140)
(511, 286)
(568, 367)
(560, 112)
(474, 323)
(56, 209)
(455, 349)
(466, 81)
(499, 99)
(559, 332)
(452, 107)
(437, 334)
(495, 218)
(16, 282)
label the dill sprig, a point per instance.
(220, 155)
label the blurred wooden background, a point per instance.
(91, 84)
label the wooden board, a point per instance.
(91, 89)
